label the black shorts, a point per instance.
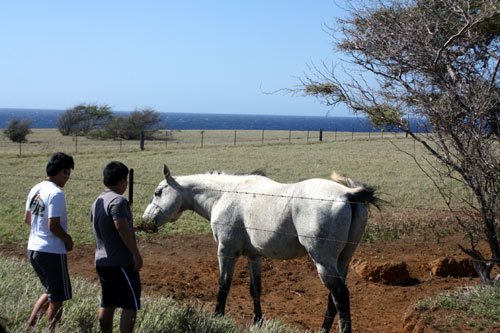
(52, 270)
(121, 287)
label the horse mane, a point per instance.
(258, 172)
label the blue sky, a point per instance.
(172, 56)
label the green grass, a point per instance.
(476, 306)
(158, 314)
(374, 162)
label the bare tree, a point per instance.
(436, 61)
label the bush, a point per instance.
(82, 118)
(17, 130)
(130, 127)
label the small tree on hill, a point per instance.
(17, 130)
(83, 118)
(130, 127)
(438, 61)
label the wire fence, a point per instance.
(43, 140)
(133, 185)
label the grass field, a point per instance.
(377, 162)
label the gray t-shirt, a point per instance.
(110, 249)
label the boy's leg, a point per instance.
(54, 314)
(127, 321)
(106, 319)
(39, 309)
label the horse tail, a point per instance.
(364, 195)
(358, 193)
(359, 197)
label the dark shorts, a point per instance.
(121, 287)
(52, 270)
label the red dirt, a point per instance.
(186, 268)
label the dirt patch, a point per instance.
(186, 268)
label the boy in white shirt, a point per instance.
(49, 241)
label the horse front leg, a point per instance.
(227, 262)
(255, 268)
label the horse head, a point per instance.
(166, 204)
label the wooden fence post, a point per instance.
(262, 136)
(142, 140)
(320, 134)
(131, 186)
(202, 132)
(235, 137)
(289, 136)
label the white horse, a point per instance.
(254, 216)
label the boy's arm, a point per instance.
(56, 229)
(27, 217)
(123, 228)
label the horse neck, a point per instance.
(202, 192)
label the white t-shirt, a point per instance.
(45, 201)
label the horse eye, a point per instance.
(158, 193)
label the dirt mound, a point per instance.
(186, 268)
(392, 273)
(452, 266)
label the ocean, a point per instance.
(205, 121)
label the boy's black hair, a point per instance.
(113, 172)
(57, 162)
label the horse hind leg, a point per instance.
(338, 301)
(330, 314)
(255, 268)
(227, 262)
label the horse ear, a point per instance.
(166, 172)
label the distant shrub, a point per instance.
(17, 130)
(130, 127)
(82, 118)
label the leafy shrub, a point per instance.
(17, 130)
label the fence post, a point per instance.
(202, 132)
(352, 134)
(166, 139)
(76, 143)
(335, 134)
(262, 136)
(120, 145)
(289, 136)
(131, 186)
(20, 151)
(320, 134)
(142, 140)
(307, 136)
(235, 137)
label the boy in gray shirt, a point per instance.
(117, 257)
